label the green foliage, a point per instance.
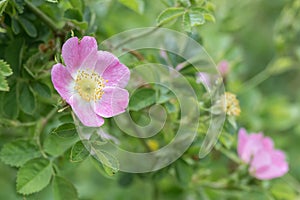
(18, 152)
(61, 139)
(41, 89)
(193, 15)
(34, 176)
(259, 40)
(27, 99)
(5, 70)
(79, 151)
(14, 53)
(135, 5)
(109, 163)
(63, 189)
(169, 14)
(10, 103)
(183, 173)
(142, 98)
(73, 14)
(28, 27)
(3, 5)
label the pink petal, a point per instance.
(242, 140)
(84, 112)
(77, 53)
(110, 68)
(204, 78)
(113, 102)
(260, 160)
(223, 67)
(268, 143)
(269, 164)
(62, 81)
(253, 144)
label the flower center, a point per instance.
(232, 104)
(89, 85)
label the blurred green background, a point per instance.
(261, 41)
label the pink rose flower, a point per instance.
(223, 67)
(92, 82)
(258, 151)
(208, 79)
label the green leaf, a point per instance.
(74, 14)
(183, 172)
(14, 53)
(3, 5)
(19, 4)
(10, 105)
(63, 189)
(109, 162)
(80, 25)
(169, 14)
(5, 70)
(3, 30)
(3, 84)
(34, 176)
(15, 26)
(42, 89)
(281, 65)
(28, 27)
(135, 5)
(66, 130)
(76, 4)
(52, 1)
(196, 17)
(61, 139)
(99, 166)
(79, 151)
(27, 99)
(18, 152)
(142, 98)
(209, 17)
(168, 3)
(96, 139)
(282, 190)
(125, 179)
(227, 140)
(186, 22)
(185, 3)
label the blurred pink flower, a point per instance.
(258, 151)
(92, 82)
(204, 78)
(223, 67)
(208, 79)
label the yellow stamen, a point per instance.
(89, 85)
(232, 106)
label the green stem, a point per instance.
(231, 156)
(155, 191)
(40, 127)
(257, 79)
(15, 123)
(47, 20)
